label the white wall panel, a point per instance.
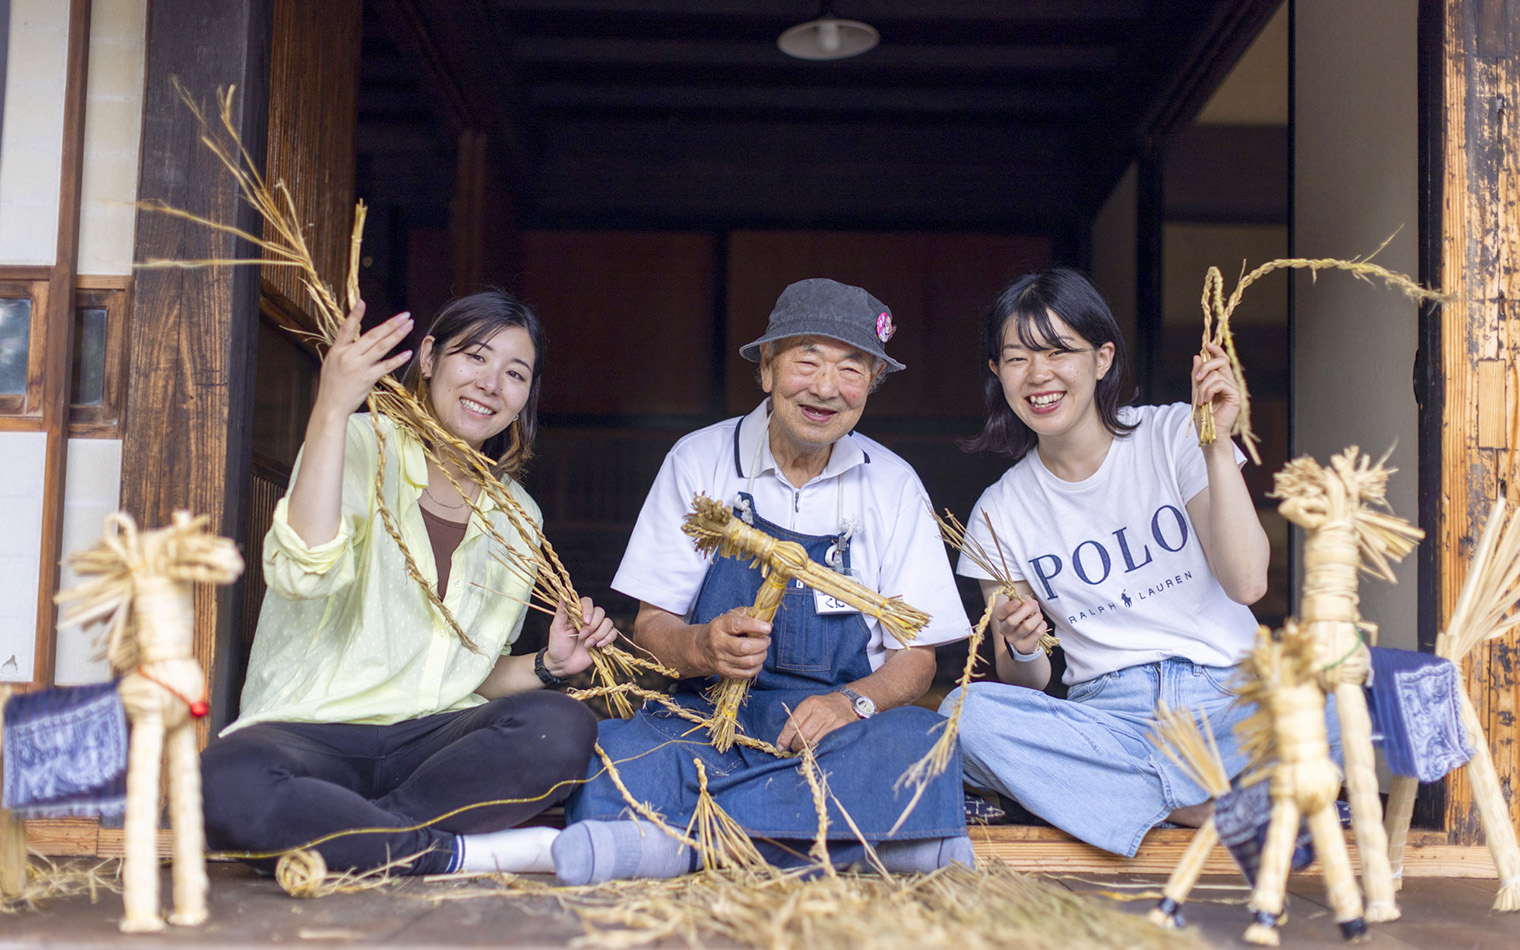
(31, 144)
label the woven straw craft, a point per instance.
(1286, 739)
(1345, 533)
(713, 527)
(1216, 325)
(141, 584)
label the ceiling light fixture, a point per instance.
(827, 37)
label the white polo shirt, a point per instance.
(895, 547)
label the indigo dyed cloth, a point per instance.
(1416, 713)
(1242, 816)
(66, 753)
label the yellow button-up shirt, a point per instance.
(345, 636)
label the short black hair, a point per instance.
(1028, 302)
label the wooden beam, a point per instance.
(1479, 233)
(193, 343)
(58, 356)
(1048, 851)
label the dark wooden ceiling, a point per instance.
(1010, 115)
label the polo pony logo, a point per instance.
(884, 327)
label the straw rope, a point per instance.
(937, 759)
(1216, 324)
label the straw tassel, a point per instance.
(721, 841)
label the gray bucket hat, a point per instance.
(823, 307)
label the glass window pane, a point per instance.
(15, 344)
(89, 355)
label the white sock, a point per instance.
(514, 850)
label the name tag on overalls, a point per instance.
(824, 605)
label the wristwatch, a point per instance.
(865, 708)
(544, 676)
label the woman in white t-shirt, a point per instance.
(1141, 546)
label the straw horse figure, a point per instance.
(1343, 534)
(142, 584)
(1286, 736)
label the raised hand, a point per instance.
(1215, 386)
(356, 361)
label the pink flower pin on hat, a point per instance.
(884, 327)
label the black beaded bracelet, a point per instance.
(544, 676)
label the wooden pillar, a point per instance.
(190, 375)
(1479, 249)
(58, 362)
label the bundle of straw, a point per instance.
(713, 528)
(721, 842)
(304, 874)
(1216, 325)
(529, 555)
(937, 759)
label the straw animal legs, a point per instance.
(1168, 913)
(139, 866)
(161, 724)
(1493, 811)
(1272, 873)
(186, 819)
(1340, 880)
(1396, 816)
(1366, 806)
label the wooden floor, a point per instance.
(250, 911)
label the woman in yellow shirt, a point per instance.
(362, 708)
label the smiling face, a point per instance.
(1049, 382)
(477, 391)
(818, 390)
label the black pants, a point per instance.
(278, 785)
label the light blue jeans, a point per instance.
(1084, 763)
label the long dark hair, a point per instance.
(1028, 302)
(466, 321)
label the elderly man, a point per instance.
(823, 674)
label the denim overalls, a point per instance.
(809, 654)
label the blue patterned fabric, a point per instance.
(1416, 713)
(1241, 817)
(66, 753)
